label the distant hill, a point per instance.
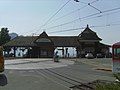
(13, 35)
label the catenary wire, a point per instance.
(75, 29)
(84, 17)
(94, 8)
(54, 14)
(63, 15)
(73, 11)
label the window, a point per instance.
(117, 53)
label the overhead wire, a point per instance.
(63, 15)
(79, 18)
(101, 15)
(69, 13)
(94, 8)
(67, 30)
(75, 29)
(84, 17)
(54, 14)
(74, 10)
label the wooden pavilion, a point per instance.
(43, 46)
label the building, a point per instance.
(44, 46)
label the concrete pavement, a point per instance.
(33, 75)
(98, 63)
(23, 64)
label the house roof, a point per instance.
(118, 43)
(104, 45)
(43, 35)
(43, 39)
(59, 41)
(22, 41)
(88, 34)
(65, 41)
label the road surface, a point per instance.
(40, 74)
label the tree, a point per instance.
(4, 36)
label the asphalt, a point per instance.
(44, 74)
(98, 63)
(25, 64)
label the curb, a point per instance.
(104, 69)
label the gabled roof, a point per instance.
(88, 34)
(43, 35)
(59, 41)
(22, 41)
(43, 39)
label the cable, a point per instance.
(69, 13)
(68, 30)
(74, 10)
(101, 15)
(94, 8)
(48, 21)
(54, 14)
(85, 17)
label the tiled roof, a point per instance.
(43, 39)
(88, 34)
(69, 41)
(22, 41)
(104, 45)
(58, 41)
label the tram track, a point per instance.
(60, 79)
(68, 71)
(49, 77)
(69, 78)
(63, 78)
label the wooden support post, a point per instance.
(14, 51)
(63, 51)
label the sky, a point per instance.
(32, 17)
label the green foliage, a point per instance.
(117, 76)
(4, 36)
(1, 51)
(110, 86)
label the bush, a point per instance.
(110, 86)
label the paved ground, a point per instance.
(24, 64)
(98, 63)
(44, 74)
